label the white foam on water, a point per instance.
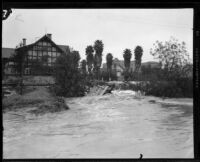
(124, 92)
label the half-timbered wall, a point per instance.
(42, 51)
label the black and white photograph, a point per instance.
(97, 83)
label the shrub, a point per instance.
(186, 86)
(69, 81)
(164, 89)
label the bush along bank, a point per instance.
(178, 88)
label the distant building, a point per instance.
(42, 49)
(118, 67)
(7, 63)
(151, 64)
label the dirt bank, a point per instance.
(40, 98)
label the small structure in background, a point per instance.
(118, 67)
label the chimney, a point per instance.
(24, 41)
(49, 36)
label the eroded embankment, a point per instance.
(40, 100)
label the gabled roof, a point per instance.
(45, 37)
(7, 52)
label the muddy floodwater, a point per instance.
(117, 125)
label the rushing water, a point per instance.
(117, 125)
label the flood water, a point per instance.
(117, 125)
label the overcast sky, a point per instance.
(117, 28)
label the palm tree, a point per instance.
(109, 61)
(90, 58)
(98, 47)
(127, 61)
(127, 58)
(138, 58)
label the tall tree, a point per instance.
(127, 59)
(109, 61)
(75, 58)
(19, 59)
(173, 57)
(98, 47)
(138, 57)
(90, 58)
(68, 79)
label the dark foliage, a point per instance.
(83, 67)
(90, 58)
(69, 80)
(109, 61)
(127, 58)
(138, 57)
(19, 59)
(98, 48)
(40, 67)
(181, 88)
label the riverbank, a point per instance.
(39, 98)
(170, 89)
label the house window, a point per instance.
(53, 54)
(40, 43)
(49, 59)
(44, 53)
(48, 44)
(48, 48)
(53, 59)
(30, 57)
(35, 48)
(35, 58)
(39, 53)
(58, 54)
(34, 53)
(49, 54)
(44, 43)
(53, 49)
(29, 53)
